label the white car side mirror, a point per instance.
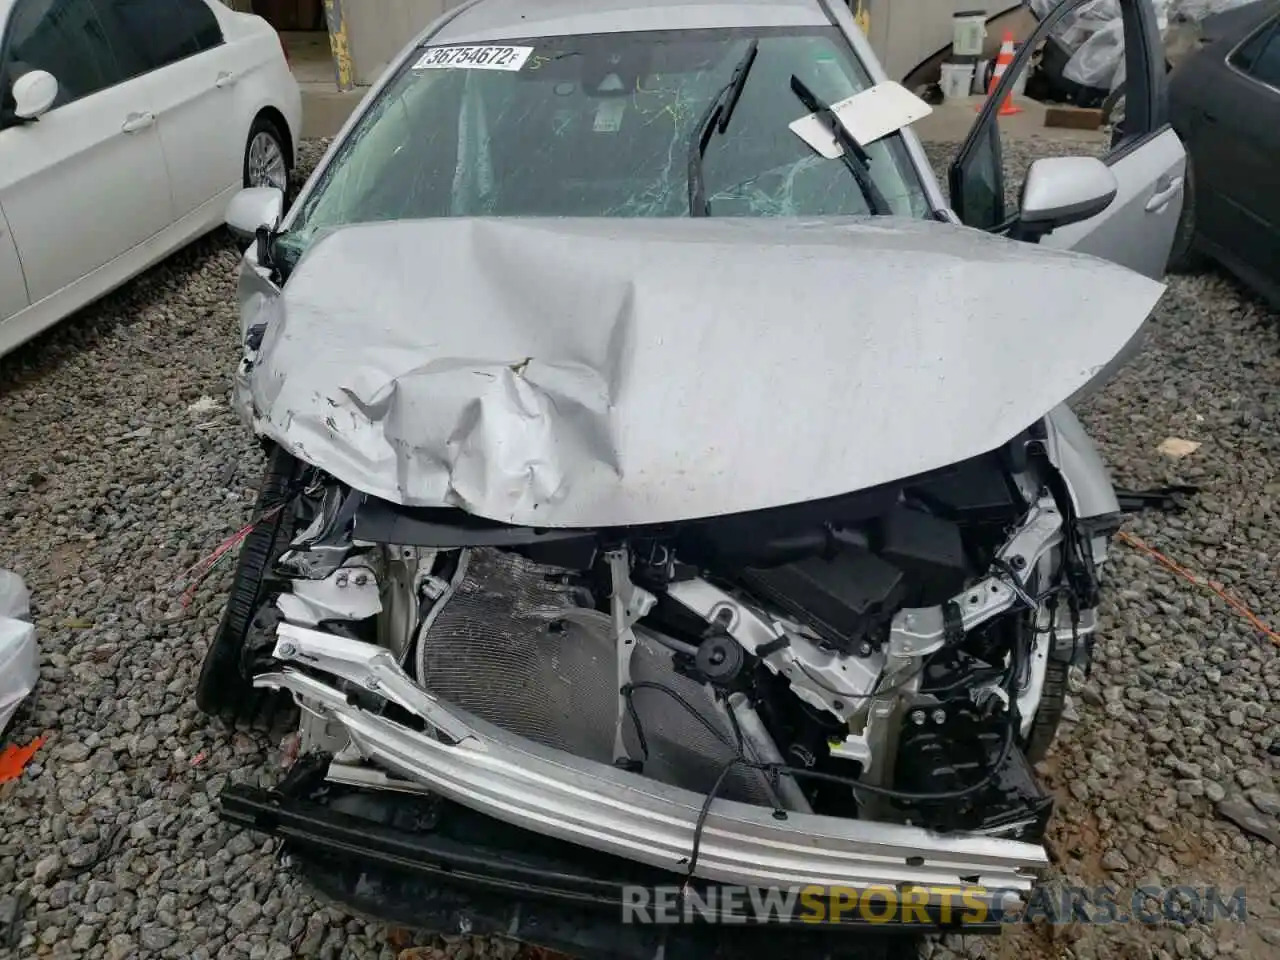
(1063, 190)
(33, 94)
(254, 209)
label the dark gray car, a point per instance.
(1226, 108)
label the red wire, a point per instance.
(201, 570)
(1216, 588)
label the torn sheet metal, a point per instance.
(19, 661)
(585, 372)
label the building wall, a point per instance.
(377, 30)
(904, 33)
(907, 33)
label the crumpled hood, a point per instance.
(566, 373)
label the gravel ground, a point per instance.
(123, 467)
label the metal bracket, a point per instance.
(918, 632)
(349, 593)
(628, 604)
(370, 666)
(825, 679)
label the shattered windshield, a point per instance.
(602, 125)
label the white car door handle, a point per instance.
(138, 121)
(225, 80)
(1162, 196)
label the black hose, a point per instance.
(628, 692)
(704, 813)
(801, 773)
(774, 769)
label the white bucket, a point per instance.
(970, 33)
(957, 79)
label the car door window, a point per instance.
(1259, 56)
(62, 37)
(151, 34)
(985, 180)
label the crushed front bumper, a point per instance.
(471, 874)
(619, 813)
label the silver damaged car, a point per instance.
(667, 485)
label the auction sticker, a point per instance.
(487, 57)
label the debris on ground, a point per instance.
(205, 404)
(1073, 118)
(1172, 499)
(1177, 448)
(14, 759)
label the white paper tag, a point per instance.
(609, 116)
(487, 57)
(874, 113)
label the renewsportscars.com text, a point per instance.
(932, 905)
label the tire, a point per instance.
(225, 686)
(1183, 255)
(266, 156)
(1048, 716)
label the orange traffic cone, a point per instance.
(1004, 60)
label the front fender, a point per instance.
(1074, 453)
(254, 292)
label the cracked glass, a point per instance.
(601, 125)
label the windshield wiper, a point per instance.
(852, 153)
(716, 118)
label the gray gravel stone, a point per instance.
(1114, 860)
(1248, 778)
(46, 868)
(124, 466)
(1266, 802)
(244, 913)
(74, 752)
(157, 938)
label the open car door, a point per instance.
(1146, 157)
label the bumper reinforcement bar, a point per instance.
(617, 812)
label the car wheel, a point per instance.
(225, 686)
(266, 160)
(1183, 256)
(1048, 716)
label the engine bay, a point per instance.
(898, 655)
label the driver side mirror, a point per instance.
(1060, 191)
(34, 94)
(254, 214)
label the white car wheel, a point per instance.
(265, 161)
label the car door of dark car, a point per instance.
(1237, 143)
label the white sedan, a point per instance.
(125, 128)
